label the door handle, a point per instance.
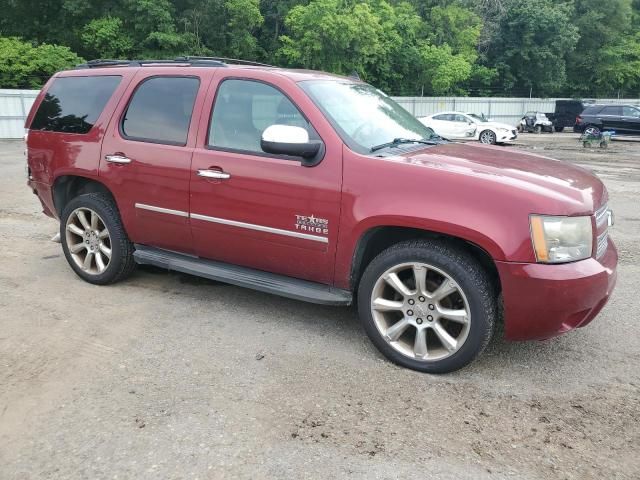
(217, 174)
(121, 159)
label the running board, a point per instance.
(243, 277)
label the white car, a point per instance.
(469, 126)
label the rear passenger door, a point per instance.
(146, 157)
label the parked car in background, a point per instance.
(469, 126)
(535, 122)
(622, 119)
(565, 114)
(451, 125)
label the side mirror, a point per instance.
(289, 140)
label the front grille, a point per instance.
(603, 243)
(602, 228)
(602, 216)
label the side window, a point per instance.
(160, 110)
(630, 112)
(611, 111)
(443, 117)
(244, 109)
(460, 118)
(73, 104)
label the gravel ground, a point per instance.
(169, 376)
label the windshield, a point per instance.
(478, 117)
(364, 116)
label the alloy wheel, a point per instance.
(88, 241)
(420, 311)
(487, 137)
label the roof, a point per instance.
(296, 75)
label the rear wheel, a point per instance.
(538, 129)
(488, 137)
(94, 240)
(427, 306)
(558, 128)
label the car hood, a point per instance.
(572, 190)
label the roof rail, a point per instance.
(188, 60)
(227, 60)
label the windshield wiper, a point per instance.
(399, 141)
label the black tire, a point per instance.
(558, 128)
(489, 136)
(538, 129)
(121, 263)
(462, 268)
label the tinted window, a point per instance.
(568, 106)
(160, 110)
(611, 111)
(445, 117)
(244, 109)
(630, 112)
(592, 110)
(73, 104)
(460, 118)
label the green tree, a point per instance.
(604, 48)
(388, 45)
(529, 52)
(618, 72)
(224, 28)
(152, 27)
(105, 37)
(332, 35)
(457, 27)
(23, 65)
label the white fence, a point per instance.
(15, 105)
(14, 108)
(507, 110)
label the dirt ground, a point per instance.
(168, 376)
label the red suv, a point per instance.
(319, 188)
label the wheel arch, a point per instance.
(67, 187)
(379, 238)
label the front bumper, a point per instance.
(507, 136)
(543, 301)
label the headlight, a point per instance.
(561, 239)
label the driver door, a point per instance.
(260, 210)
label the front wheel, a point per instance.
(427, 306)
(538, 129)
(488, 137)
(94, 240)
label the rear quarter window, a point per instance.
(73, 104)
(592, 110)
